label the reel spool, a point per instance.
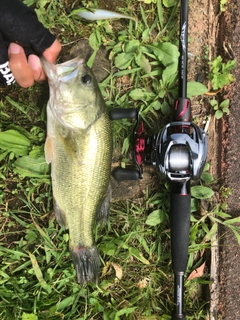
(180, 156)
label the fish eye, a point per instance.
(86, 79)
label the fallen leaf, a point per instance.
(143, 283)
(118, 270)
(197, 273)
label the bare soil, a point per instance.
(221, 31)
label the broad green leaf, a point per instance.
(15, 142)
(195, 89)
(141, 94)
(206, 166)
(165, 108)
(218, 114)
(95, 40)
(143, 62)
(132, 45)
(225, 103)
(156, 105)
(169, 75)
(201, 192)
(29, 167)
(166, 52)
(194, 204)
(169, 3)
(206, 177)
(123, 60)
(155, 218)
(226, 110)
(37, 152)
(214, 103)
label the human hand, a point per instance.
(22, 39)
(27, 70)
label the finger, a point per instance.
(19, 66)
(37, 71)
(50, 54)
(53, 51)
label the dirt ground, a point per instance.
(221, 31)
(229, 262)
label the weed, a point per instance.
(223, 4)
(220, 72)
(220, 109)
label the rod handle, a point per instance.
(180, 209)
(121, 113)
(121, 174)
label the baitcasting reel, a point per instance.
(178, 151)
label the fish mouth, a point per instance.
(69, 69)
(63, 70)
(72, 63)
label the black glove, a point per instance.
(20, 24)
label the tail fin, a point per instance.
(86, 263)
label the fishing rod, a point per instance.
(179, 153)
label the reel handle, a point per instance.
(122, 174)
(131, 172)
(121, 113)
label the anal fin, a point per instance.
(103, 212)
(60, 215)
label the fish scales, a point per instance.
(79, 148)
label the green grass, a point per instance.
(37, 277)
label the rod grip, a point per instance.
(180, 208)
(121, 174)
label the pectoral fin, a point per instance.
(48, 150)
(103, 212)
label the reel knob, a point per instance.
(131, 172)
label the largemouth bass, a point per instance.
(79, 148)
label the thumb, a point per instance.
(19, 65)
